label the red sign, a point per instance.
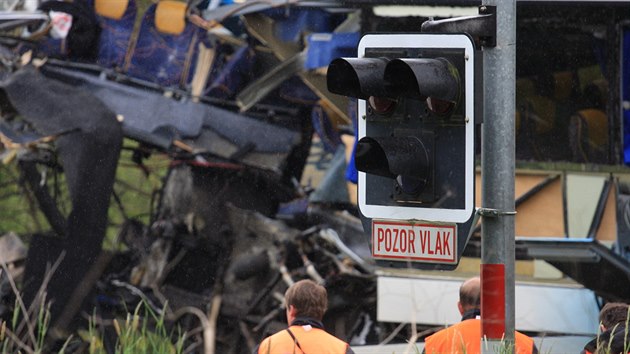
(414, 241)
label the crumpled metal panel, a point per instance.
(150, 117)
(88, 142)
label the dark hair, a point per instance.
(309, 299)
(613, 313)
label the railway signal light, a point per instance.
(415, 153)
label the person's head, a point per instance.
(613, 341)
(612, 314)
(469, 295)
(306, 298)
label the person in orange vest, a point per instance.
(613, 339)
(306, 302)
(465, 336)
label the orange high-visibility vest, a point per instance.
(465, 337)
(311, 341)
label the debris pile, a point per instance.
(232, 226)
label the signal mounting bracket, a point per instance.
(482, 28)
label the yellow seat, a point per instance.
(170, 17)
(588, 135)
(114, 9)
(597, 123)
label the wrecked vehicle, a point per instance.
(231, 226)
(232, 101)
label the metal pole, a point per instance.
(497, 178)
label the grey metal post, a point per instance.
(497, 165)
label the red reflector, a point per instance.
(439, 107)
(381, 105)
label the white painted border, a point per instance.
(415, 213)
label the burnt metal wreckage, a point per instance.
(232, 228)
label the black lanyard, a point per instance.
(296, 341)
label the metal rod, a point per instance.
(497, 163)
(537, 188)
(601, 207)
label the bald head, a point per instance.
(470, 294)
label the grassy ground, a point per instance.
(136, 190)
(135, 195)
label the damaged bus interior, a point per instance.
(188, 157)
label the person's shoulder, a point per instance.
(525, 343)
(523, 336)
(325, 337)
(470, 324)
(273, 337)
(457, 327)
(335, 338)
(266, 342)
(436, 334)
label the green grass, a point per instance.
(143, 331)
(136, 191)
(135, 196)
(18, 210)
(138, 333)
